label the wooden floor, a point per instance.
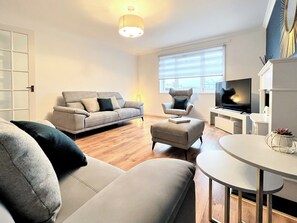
(129, 144)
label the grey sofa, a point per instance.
(155, 191)
(73, 118)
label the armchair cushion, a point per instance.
(63, 153)
(180, 103)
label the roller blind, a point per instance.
(202, 63)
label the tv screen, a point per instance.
(234, 94)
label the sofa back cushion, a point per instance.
(117, 95)
(75, 105)
(76, 96)
(29, 185)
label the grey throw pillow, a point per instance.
(28, 185)
(115, 103)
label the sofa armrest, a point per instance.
(69, 119)
(166, 106)
(71, 110)
(189, 107)
(133, 104)
(153, 191)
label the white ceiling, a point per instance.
(167, 22)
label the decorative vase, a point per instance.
(281, 143)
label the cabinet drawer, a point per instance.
(228, 125)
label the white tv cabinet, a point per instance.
(234, 122)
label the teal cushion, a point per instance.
(180, 103)
(105, 104)
(63, 153)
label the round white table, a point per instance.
(253, 150)
(232, 173)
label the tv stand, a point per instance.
(234, 122)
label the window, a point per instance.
(199, 70)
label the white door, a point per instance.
(16, 74)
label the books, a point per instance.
(179, 120)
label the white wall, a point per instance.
(68, 61)
(242, 61)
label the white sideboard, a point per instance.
(278, 78)
(234, 122)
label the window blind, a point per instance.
(202, 63)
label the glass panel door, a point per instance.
(14, 75)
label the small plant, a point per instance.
(283, 131)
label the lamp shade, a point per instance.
(131, 26)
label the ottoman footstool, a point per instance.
(181, 135)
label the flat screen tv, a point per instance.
(234, 94)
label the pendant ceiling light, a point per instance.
(131, 25)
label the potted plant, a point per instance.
(281, 140)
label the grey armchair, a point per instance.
(180, 104)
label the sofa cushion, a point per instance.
(146, 193)
(117, 95)
(105, 104)
(126, 113)
(76, 96)
(91, 104)
(80, 185)
(28, 185)
(63, 153)
(75, 105)
(101, 118)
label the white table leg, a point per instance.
(239, 207)
(259, 196)
(210, 200)
(210, 218)
(269, 207)
(227, 205)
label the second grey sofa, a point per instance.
(73, 118)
